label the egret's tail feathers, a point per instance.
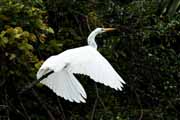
(65, 84)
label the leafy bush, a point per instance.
(22, 31)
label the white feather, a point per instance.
(96, 66)
(83, 60)
(65, 85)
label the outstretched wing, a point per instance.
(89, 61)
(65, 84)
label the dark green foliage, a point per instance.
(169, 7)
(144, 50)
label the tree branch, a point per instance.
(43, 105)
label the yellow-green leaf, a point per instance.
(50, 30)
(12, 56)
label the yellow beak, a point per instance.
(109, 29)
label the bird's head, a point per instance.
(91, 37)
(101, 30)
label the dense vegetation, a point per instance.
(144, 50)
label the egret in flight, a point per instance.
(84, 60)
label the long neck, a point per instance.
(91, 40)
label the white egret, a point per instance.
(84, 60)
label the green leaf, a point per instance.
(25, 46)
(12, 56)
(37, 65)
(50, 30)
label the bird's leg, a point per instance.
(34, 83)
